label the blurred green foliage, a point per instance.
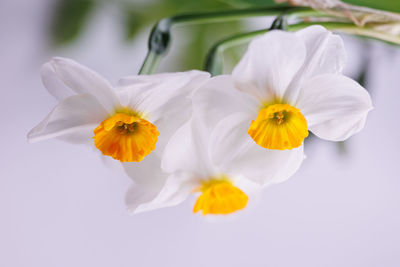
(69, 18)
(139, 15)
(389, 5)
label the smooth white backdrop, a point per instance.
(61, 206)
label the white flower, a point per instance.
(285, 85)
(124, 122)
(188, 169)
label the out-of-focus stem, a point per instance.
(159, 39)
(229, 15)
(214, 62)
(352, 29)
(150, 63)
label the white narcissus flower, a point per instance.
(285, 85)
(188, 169)
(126, 123)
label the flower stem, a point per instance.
(350, 28)
(280, 23)
(159, 39)
(150, 63)
(214, 62)
(229, 15)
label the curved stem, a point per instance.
(159, 39)
(229, 15)
(350, 28)
(214, 62)
(150, 63)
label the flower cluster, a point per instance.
(223, 138)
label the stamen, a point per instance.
(279, 126)
(279, 117)
(126, 137)
(220, 196)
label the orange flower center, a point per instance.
(279, 126)
(126, 137)
(220, 196)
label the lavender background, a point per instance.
(61, 206)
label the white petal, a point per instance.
(150, 93)
(176, 112)
(53, 84)
(325, 55)
(139, 198)
(164, 98)
(334, 106)
(269, 65)
(267, 166)
(153, 189)
(340, 129)
(218, 99)
(229, 138)
(146, 172)
(325, 51)
(80, 80)
(187, 151)
(235, 152)
(162, 77)
(248, 186)
(73, 120)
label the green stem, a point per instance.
(229, 15)
(214, 62)
(150, 63)
(159, 39)
(352, 29)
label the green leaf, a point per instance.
(134, 22)
(69, 19)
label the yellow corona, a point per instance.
(126, 137)
(279, 126)
(220, 196)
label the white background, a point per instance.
(61, 206)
